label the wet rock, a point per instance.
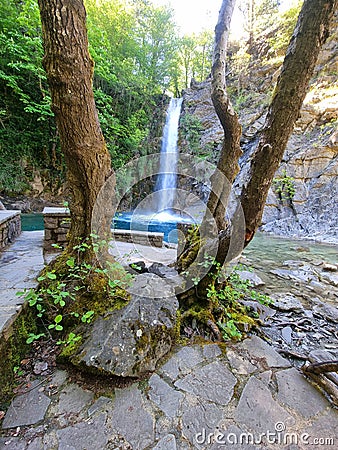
(320, 355)
(287, 334)
(331, 278)
(27, 409)
(292, 385)
(253, 278)
(326, 311)
(330, 267)
(131, 341)
(305, 274)
(286, 302)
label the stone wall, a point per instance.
(57, 223)
(10, 227)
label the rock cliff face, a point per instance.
(310, 164)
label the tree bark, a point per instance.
(231, 150)
(69, 69)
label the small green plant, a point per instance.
(34, 337)
(57, 300)
(284, 186)
(18, 372)
(234, 318)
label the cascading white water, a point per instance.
(167, 179)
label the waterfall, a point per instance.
(167, 179)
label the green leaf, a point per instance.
(70, 263)
(51, 276)
(58, 318)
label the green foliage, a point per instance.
(28, 137)
(234, 318)
(191, 129)
(286, 24)
(63, 297)
(284, 186)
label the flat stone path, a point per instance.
(20, 264)
(240, 396)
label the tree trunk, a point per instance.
(69, 70)
(231, 150)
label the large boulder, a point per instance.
(130, 341)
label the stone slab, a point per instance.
(202, 418)
(8, 214)
(164, 396)
(182, 362)
(91, 434)
(27, 409)
(130, 418)
(168, 442)
(257, 409)
(213, 382)
(54, 211)
(73, 399)
(295, 392)
(261, 350)
(323, 432)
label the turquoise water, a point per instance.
(122, 221)
(32, 222)
(264, 249)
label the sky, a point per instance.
(192, 16)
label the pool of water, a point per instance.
(166, 224)
(264, 250)
(32, 222)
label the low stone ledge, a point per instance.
(57, 223)
(10, 227)
(153, 239)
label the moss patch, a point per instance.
(13, 348)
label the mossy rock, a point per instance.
(13, 348)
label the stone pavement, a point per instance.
(245, 396)
(20, 264)
(240, 396)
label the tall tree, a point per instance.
(69, 69)
(311, 32)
